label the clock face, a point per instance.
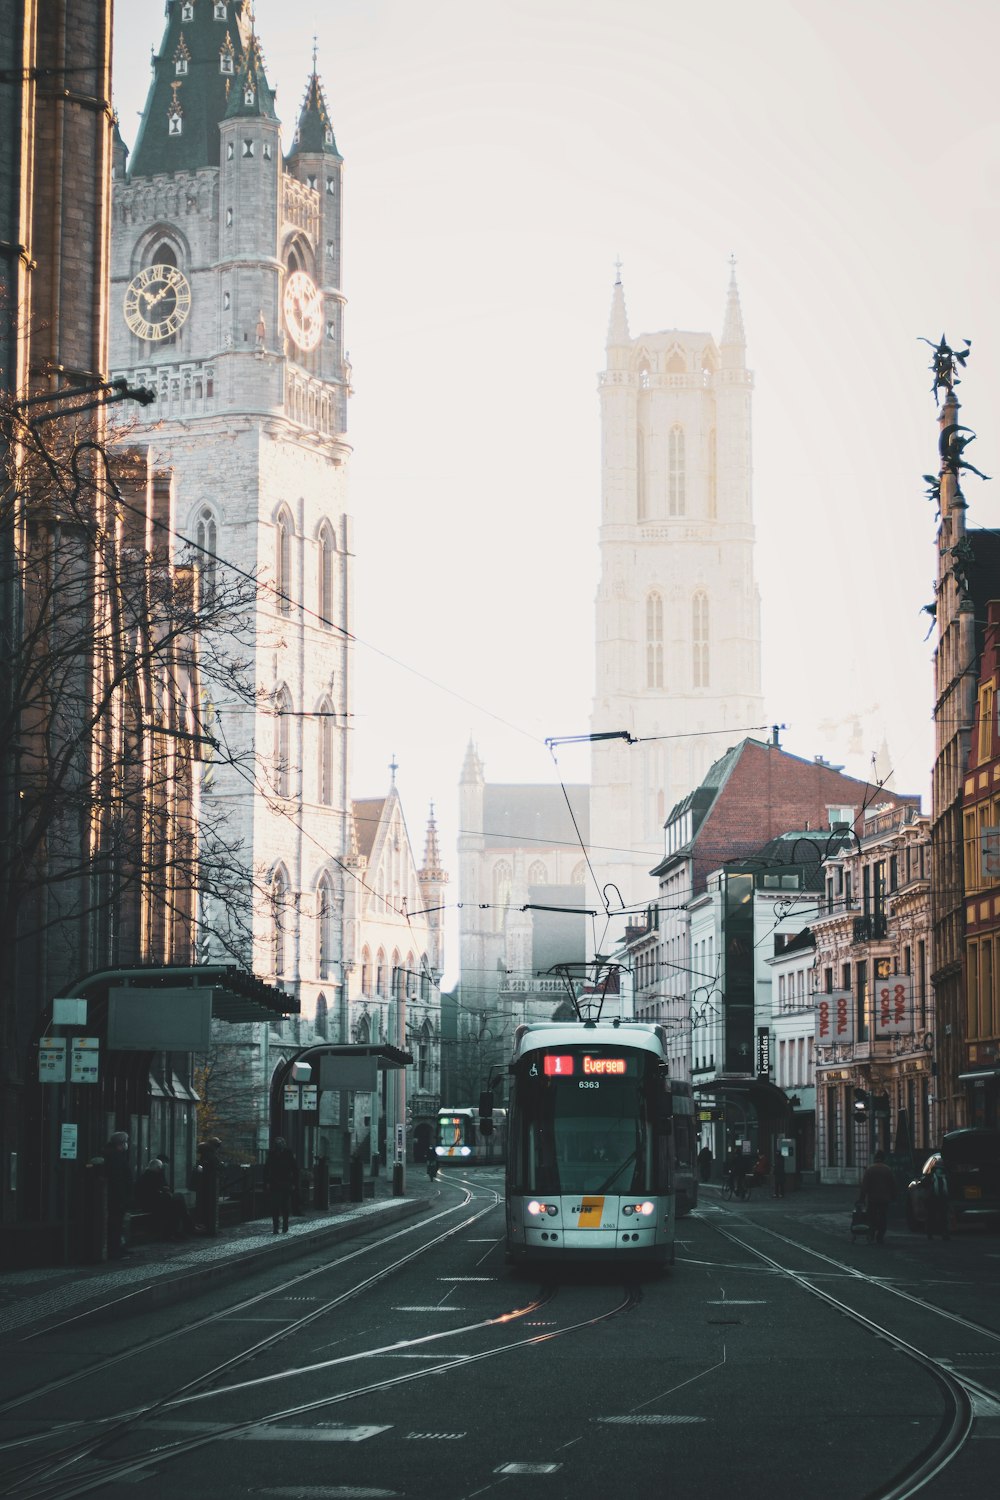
(157, 302)
(303, 310)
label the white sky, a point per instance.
(500, 155)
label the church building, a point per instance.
(677, 619)
(227, 302)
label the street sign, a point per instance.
(52, 1059)
(310, 1096)
(84, 1059)
(292, 1096)
(67, 1143)
(400, 1141)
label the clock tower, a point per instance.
(227, 302)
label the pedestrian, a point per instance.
(432, 1167)
(878, 1188)
(118, 1174)
(779, 1176)
(705, 1159)
(171, 1220)
(760, 1170)
(281, 1175)
(205, 1182)
(936, 1201)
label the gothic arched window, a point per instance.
(538, 875)
(640, 474)
(279, 906)
(501, 892)
(380, 973)
(327, 574)
(424, 1040)
(283, 560)
(366, 972)
(324, 925)
(676, 478)
(282, 742)
(713, 478)
(699, 640)
(207, 537)
(327, 740)
(654, 640)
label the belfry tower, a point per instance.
(227, 301)
(678, 612)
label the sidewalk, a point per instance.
(163, 1272)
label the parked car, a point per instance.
(971, 1161)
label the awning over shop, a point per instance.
(768, 1101)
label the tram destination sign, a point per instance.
(587, 1065)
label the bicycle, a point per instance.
(731, 1188)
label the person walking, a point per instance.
(118, 1174)
(205, 1183)
(281, 1175)
(936, 1200)
(878, 1188)
(705, 1160)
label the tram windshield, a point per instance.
(584, 1121)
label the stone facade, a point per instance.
(677, 611)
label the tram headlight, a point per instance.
(628, 1209)
(465, 1151)
(534, 1207)
(646, 1208)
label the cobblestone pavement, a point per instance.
(165, 1271)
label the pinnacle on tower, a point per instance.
(618, 322)
(251, 94)
(732, 327)
(432, 868)
(314, 132)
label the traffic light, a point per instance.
(860, 1104)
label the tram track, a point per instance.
(53, 1482)
(959, 1393)
(87, 1447)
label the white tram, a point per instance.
(590, 1155)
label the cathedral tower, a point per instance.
(677, 612)
(227, 302)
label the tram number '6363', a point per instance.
(589, 1083)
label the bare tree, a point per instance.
(112, 847)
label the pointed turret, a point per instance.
(733, 343)
(314, 131)
(431, 869)
(204, 50)
(251, 96)
(618, 333)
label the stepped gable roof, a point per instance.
(203, 52)
(519, 815)
(314, 132)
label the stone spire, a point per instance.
(431, 869)
(618, 322)
(203, 51)
(314, 132)
(734, 342)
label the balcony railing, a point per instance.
(871, 928)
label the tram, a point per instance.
(590, 1156)
(460, 1139)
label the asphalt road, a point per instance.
(776, 1358)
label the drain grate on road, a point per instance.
(648, 1419)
